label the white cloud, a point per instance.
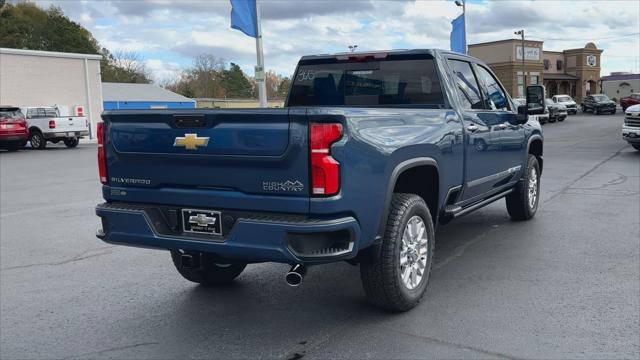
(162, 29)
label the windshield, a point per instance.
(564, 99)
(600, 97)
(388, 82)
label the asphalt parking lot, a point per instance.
(564, 285)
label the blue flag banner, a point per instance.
(243, 16)
(458, 42)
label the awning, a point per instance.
(560, 77)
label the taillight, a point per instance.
(52, 124)
(325, 170)
(102, 159)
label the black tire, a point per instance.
(636, 146)
(381, 275)
(561, 118)
(613, 112)
(71, 142)
(518, 202)
(210, 272)
(37, 140)
(584, 109)
(596, 111)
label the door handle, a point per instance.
(472, 128)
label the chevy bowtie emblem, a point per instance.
(191, 141)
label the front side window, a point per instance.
(386, 82)
(494, 96)
(467, 85)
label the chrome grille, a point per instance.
(632, 119)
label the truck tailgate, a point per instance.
(71, 123)
(247, 152)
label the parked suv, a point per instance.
(369, 153)
(633, 99)
(598, 104)
(568, 102)
(631, 127)
(13, 128)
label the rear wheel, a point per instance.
(206, 269)
(37, 140)
(522, 203)
(596, 111)
(396, 279)
(71, 142)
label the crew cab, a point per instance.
(13, 128)
(370, 152)
(633, 99)
(567, 101)
(46, 124)
(598, 104)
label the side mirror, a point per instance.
(535, 100)
(522, 116)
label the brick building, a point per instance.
(575, 72)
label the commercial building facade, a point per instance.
(620, 84)
(575, 72)
(120, 96)
(44, 78)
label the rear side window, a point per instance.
(494, 95)
(399, 82)
(467, 85)
(50, 112)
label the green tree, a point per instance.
(26, 26)
(236, 84)
(283, 88)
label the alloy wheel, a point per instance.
(414, 252)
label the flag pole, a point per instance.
(259, 70)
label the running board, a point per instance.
(455, 211)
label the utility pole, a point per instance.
(464, 24)
(259, 71)
(524, 68)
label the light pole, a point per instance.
(524, 69)
(464, 24)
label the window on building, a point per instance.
(547, 64)
(467, 84)
(494, 95)
(533, 79)
(559, 65)
(521, 86)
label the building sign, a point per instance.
(530, 53)
(591, 60)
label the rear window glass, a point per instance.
(10, 114)
(400, 82)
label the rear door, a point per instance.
(252, 152)
(482, 142)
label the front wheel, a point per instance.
(522, 202)
(206, 269)
(396, 279)
(71, 142)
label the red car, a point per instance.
(633, 99)
(13, 128)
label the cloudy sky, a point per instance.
(169, 33)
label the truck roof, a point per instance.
(389, 52)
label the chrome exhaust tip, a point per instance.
(295, 276)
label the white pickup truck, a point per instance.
(45, 124)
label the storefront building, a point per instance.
(575, 72)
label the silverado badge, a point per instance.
(191, 141)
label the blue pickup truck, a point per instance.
(371, 151)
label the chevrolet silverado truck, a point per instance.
(370, 152)
(46, 124)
